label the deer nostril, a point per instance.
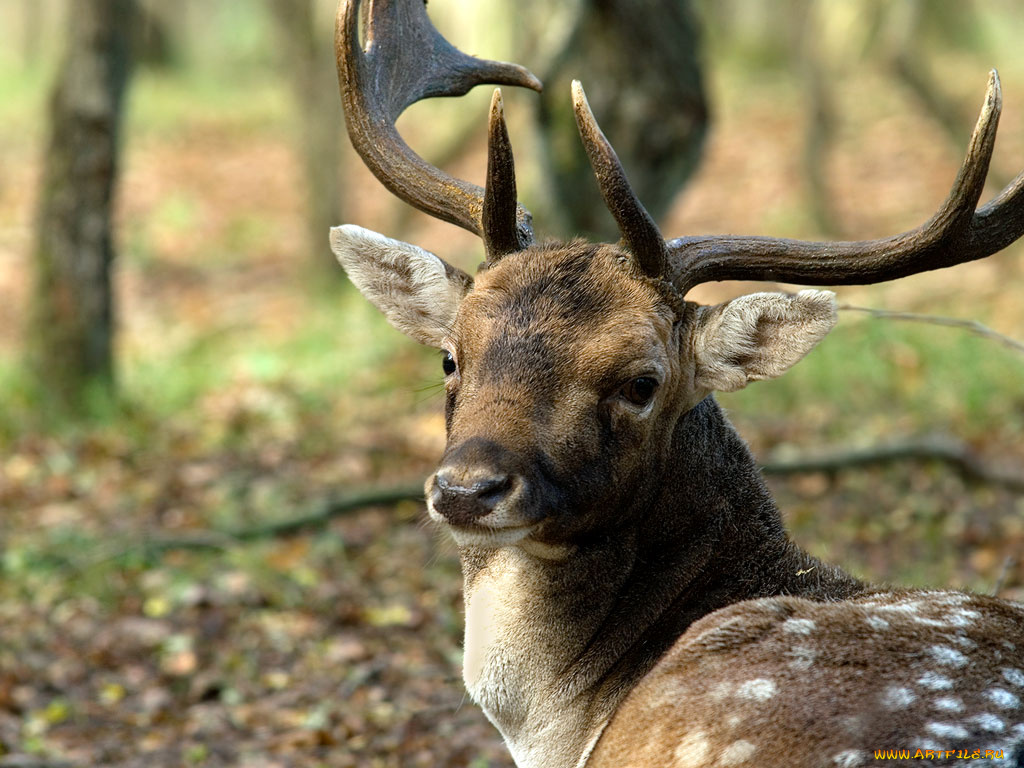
(491, 490)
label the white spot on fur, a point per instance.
(963, 617)
(1014, 676)
(1002, 698)
(990, 723)
(947, 656)
(949, 704)
(947, 731)
(851, 758)
(734, 721)
(759, 689)
(930, 622)
(721, 690)
(948, 598)
(798, 626)
(910, 608)
(802, 657)
(935, 682)
(896, 697)
(737, 752)
(692, 751)
(963, 641)
(877, 622)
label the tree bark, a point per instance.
(819, 116)
(32, 14)
(309, 59)
(71, 316)
(638, 60)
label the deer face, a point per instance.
(566, 372)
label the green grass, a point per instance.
(340, 342)
(869, 375)
(341, 345)
(166, 103)
(163, 102)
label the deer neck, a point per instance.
(556, 639)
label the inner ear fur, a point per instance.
(758, 336)
(418, 292)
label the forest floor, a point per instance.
(136, 631)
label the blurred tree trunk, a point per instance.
(909, 31)
(309, 58)
(71, 315)
(32, 13)
(638, 60)
(155, 45)
(820, 113)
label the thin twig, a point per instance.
(1009, 562)
(973, 326)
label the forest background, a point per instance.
(211, 550)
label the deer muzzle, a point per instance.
(480, 487)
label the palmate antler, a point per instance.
(405, 60)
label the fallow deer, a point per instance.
(632, 598)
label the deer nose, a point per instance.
(464, 497)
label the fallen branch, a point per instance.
(222, 540)
(330, 510)
(973, 326)
(32, 761)
(952, 452)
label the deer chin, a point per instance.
(521, 537)
(484, 537)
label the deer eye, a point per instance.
(640, 391)
(448, 364)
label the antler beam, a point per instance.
(956, 234)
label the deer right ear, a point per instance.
(758, 336)
(417, 292)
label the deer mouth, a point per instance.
(477, 535)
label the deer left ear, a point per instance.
(758, 336)
(417, 292)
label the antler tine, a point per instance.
(639, 233)
(999, 222)
(501, 231)
(405, 59)
(956, 234)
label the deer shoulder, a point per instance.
(815, 683)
